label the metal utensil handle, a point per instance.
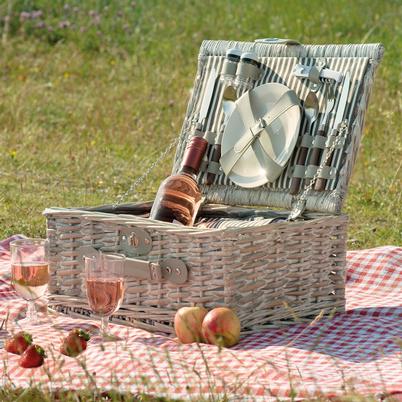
(301, 160)
(300, 205)
(162, 156)
(321, 182)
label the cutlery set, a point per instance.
(261, 125)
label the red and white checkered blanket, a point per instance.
(360, 350)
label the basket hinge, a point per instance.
(168, 269)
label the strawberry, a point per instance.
(18, 343)
(74, 343)
(32, 357)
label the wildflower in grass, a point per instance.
(24, 16)
(64, 24)
(96, 19)
(13, 153)
(36, 14)
(40, 25)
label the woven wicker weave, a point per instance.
(270, 274)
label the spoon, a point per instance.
(229, 98)
(310, 112)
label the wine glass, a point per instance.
(105, 284)
(30, 275)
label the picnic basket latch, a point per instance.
(134, 241)
(172, 270)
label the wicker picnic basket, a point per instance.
(272, 273)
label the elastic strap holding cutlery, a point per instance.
(306, 141)
(213, 167)
(210, 136)
(308, 172)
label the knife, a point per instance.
(343, 101)
(207, 98)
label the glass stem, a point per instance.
(104, 325)
(31, 312)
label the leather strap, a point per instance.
(327, 172)
(231, 157)
(307, 141)
(327, 142)
(210, 136)
(319, 141)
(299, 171)
(169, 269)
(213, 167)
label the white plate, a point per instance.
(264, 160)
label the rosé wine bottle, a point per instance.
(179, 196)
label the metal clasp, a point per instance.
(134, 241)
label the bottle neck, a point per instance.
(193, 156)
(189, 171)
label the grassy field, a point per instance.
(92, 91)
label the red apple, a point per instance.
(221, 327)
(188, 322)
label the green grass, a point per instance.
(84, 109)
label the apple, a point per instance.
(221, 327)
(188, 322)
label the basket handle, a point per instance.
(167, 269)
(278, 41)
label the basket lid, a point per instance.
(283, 67)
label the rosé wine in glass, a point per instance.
(105, 295)
(30, 280)
(105, 285)
(30, 275)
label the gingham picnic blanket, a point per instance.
(360, 350)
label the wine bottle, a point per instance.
(179, 197)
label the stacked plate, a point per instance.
(260, 135)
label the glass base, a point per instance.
(104, 336)
(26, 323)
